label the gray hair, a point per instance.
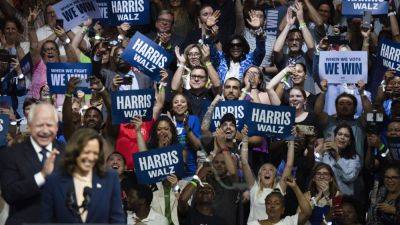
(35, 107)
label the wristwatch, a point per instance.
(67, 41)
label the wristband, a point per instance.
(193, 183)
(208, 63)
(302, 25)
(392, 14)
(102, 89)
(68, 95)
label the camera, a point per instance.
(374, 122)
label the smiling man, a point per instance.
(26, 166)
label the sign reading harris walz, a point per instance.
(389, 53)
(357, 7)
(146, 55)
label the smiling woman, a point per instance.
(74, 194)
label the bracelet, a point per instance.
(302, 25)
(392, 14)
(102, 89)
(193, 183)
(180, 65)
(68, 95)
(208, 63)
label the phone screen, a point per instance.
(60, 23)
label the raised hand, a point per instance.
(290, 19)
(164, 75)
(213, 19)
(15, 65)
(33, 14)
(324, 85)
(124, 28)
(205, 50)
(366, 33)
(181, 58)
(214, 30)
(72, 83)
(255, 21)
(220, 139)
(360, 86)
(60, 33)
(299, 11)
(164, 38)
(172, 179)
(137, 123)
(48, 166)
(117, 81)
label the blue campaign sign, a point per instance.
(389, 53)
(271, 121)
(4, 123)
(357, 7)
(394, 148)
(5, 101)
(58, 75)
(115, 12)
(237, 108)
(127, 104)
(146, 55)
(154, 165)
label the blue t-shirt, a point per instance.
(191, 158)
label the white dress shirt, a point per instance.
(38, 176)
(153, 218)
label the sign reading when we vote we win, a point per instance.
(127, 104)
(115, 12)
(357, 7)
(343, 66)
(146, 55)
(389, 53)
(58, 75)
(156, 164)
(74, 12)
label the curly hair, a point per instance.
(154, 139)
(75, 146)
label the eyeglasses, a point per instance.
(393, 178)
(199, 77)
(319, 174)
(193, 54)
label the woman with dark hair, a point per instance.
(253, 88)
(77, 193)
(275, 208)
(322, 189)
(341, 155)
(181, 126)
(235, 57)
(385, 205)
(291, 76)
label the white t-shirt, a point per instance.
(257, 202)
(289, 220)
(153, 218)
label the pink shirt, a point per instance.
(39, 79)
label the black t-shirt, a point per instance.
(194, 217)
(311, 120)
(198, 103)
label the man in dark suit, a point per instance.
(26, 166)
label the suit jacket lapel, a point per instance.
(95, 200)
(31, 156)
(66, 185)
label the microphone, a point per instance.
(70, 201)
(87, 194)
